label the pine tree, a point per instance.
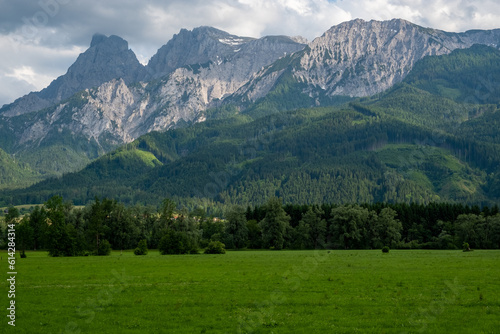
(236, 227)
(274, 224)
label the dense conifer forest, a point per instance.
(105, 224)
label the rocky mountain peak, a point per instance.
(106, 59)
(97, 39)
(361, 58)
(198, 46)
(206, 67)
(112, 42)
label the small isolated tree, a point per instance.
(104, 248)
(466, 247)
(215, 247)
(142, 248)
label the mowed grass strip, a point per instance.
(405, 291)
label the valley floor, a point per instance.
(404, 291)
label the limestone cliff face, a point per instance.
(106, 59)
(108, 98)
(202, 67)
(360, 58)
(200, 46)
(192, 72)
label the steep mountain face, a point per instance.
(211, 65)
(359, 58)
(107, 58)
(107, 98)
(200, 46)
(117, 99)
(412, 143)
(205, 46)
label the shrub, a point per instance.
(385, 249)
(174, 242)
(466, 247)
(104, 248)
(142, 248)
(215, 247)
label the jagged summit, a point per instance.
(106, 59)
(361, 58)
(111, 42)
(97, 39)
(115, 99)
(198, 46)
(207, 45)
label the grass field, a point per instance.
(412, 291)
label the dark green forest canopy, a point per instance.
(65, 230)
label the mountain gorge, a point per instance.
(263, 117)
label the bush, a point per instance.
(104, 248)
(466, 247)
(215, 247)
(142, 248)
(385, 249)
(174, 242)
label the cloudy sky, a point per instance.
(40, 39)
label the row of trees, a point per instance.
(65, 230)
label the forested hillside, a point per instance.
(422, 141)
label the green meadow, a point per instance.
(358, 291)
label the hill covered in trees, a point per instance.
(431, 138)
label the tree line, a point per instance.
(105, 224)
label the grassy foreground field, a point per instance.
(258, 292)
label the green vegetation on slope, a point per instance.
(469, 75)
(15, 174)
(409, 144)
(304, 156)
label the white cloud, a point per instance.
(26, 67)
(448, 15)
(12, 88)
(24, 73)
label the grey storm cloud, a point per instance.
(39, 39)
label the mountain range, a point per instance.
(335, 98)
